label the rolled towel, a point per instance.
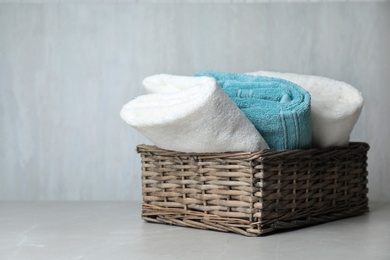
(335, 106)
(191, 114)
(279, 109)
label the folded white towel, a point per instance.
(191, 114)
(335, 106)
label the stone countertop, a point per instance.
(115, 230)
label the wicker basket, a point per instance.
(253, 193)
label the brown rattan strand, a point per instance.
(253, 193)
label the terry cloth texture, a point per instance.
(191, 114)
(279, 109)
(335, 107)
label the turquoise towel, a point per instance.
(279, 109)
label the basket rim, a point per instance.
(142, 148)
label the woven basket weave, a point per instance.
(253, 193)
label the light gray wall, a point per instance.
(66, 70)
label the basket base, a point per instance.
(200, 220)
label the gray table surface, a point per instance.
(114, 230)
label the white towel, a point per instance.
(191, 114)
(335, 106)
